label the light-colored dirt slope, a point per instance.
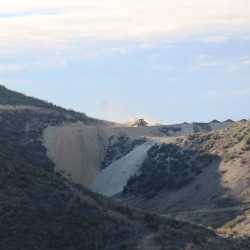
(79, 150)
(75, 152)
(112, 179)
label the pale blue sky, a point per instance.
(168, 63)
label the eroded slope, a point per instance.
(196, 174)
(41, 211)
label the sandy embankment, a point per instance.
(75, 151)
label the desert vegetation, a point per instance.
(57, 214)
(21, 135)
(40, 210)
(246, 145)
(117, 150)
(167, 167)
(9, 97)
(22, 129)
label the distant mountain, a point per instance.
(228, 120)
(214, 121)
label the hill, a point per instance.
(40, 209)
(201, 178)
(13, 101)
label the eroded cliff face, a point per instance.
(78, 150)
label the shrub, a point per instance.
(170, 180)
(233, 222)
(198, 171)
(131, 181)
(239, 138)
(223, 199)
(25, 178)
(80, 186)
(246, 145)
(124, 209)
(151, 195)
(2, 182)
(248, 139)
(178, 140)
(209, 144)
(11, 175)
(230, 156)
(23, 200)
(9, 204)
(149, 217)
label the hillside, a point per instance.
(41, 209)
(23, 120)
(196, 177)
(177, 163)
(13, 101)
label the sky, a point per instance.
(165, 61)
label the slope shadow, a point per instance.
(184, 183)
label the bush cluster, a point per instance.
(166, 167)
(57, 214)
(21, 135)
